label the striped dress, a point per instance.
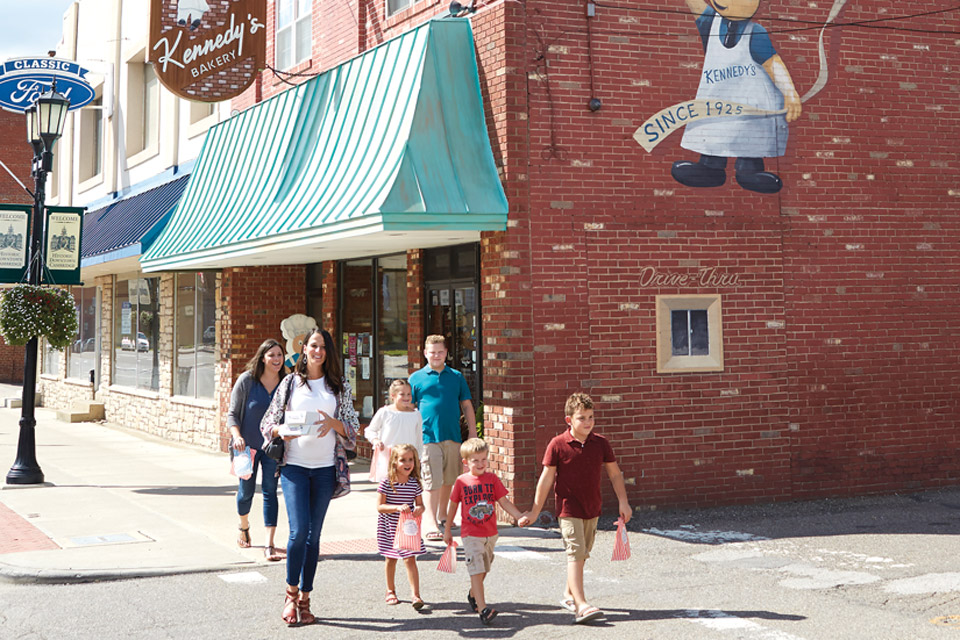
(406, 492)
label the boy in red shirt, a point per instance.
(478, 491)
(574, 459)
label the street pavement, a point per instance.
(119, 507)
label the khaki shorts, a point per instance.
(578, 536)
(478, 553)
(441, 464)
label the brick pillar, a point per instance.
(253, 301)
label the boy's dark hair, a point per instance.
(576, 402)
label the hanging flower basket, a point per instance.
(28, 311)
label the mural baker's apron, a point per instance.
(745, 82)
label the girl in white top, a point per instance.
(397, 423)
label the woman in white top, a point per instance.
(314, 468)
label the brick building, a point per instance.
(15, 153)
(784, 335)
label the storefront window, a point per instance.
(136, 332)
(357, 308)
(373, 340)
(82, 355)
(51, 359)
(392, 321)
(195, 334)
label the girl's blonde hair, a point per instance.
(396, 385)
(396, 451)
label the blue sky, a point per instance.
(30, 28)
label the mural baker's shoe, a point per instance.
(752, 177)
(709, 171)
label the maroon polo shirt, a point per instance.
(578, 466)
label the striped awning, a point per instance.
(125, 228)
(384, 153)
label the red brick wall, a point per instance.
(841, 365)
(16, 153)
(253, 302)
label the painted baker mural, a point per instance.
(740, 66)
(744, 101)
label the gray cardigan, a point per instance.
(238, 399)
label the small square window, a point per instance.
(689, 334)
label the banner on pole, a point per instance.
(14, 241)
(62, 245)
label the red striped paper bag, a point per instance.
(621, 546)
(408, 532)
(448, 560)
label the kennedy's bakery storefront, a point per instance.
(355, 200)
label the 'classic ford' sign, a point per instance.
(23, 79)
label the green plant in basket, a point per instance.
(28, 311)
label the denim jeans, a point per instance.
(307, 494)
(268, 486)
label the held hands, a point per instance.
(524, 520)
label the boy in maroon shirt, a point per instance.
(478, 491)
(574, 459)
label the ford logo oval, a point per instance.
(24, 79)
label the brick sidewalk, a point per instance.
(16, 534)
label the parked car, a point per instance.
(142, 344)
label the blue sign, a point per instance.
(23, 79)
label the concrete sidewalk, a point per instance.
(120, 504)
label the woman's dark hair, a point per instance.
(256, 366)
(331, 364)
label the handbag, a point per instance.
(274, 449)
(448, 559)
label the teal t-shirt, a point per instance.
(438, 396)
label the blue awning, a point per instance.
(126, 228)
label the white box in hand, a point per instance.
(299, 423)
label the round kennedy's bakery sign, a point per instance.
(207, 50)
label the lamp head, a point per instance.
(33, 135)
(52, 110)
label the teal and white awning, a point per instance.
(384, 153)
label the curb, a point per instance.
(11, 574)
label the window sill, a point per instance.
(132, 391)
(203, 125)
(78, 382)
(49, 377)
(140, 157)
(90, 183)
(200, 403)
(416, 7)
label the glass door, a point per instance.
(453, 312)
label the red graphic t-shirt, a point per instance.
(478, 497)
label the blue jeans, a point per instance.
(307, 494)
(268, 486)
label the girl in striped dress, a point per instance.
(399, 492)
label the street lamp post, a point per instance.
(45, 120)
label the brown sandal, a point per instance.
(291, 608)
(303, 606)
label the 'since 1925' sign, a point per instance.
(207, 51)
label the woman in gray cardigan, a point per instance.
(249, 400)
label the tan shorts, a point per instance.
(441, 464)
(478, 553)
(578, 536)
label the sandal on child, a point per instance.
(418, 603)
(391, 598)
(586, 614)
(243, 538)
(472, 601)
(290, 608)
(487, 615)
(303, 607)
(569, 604)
